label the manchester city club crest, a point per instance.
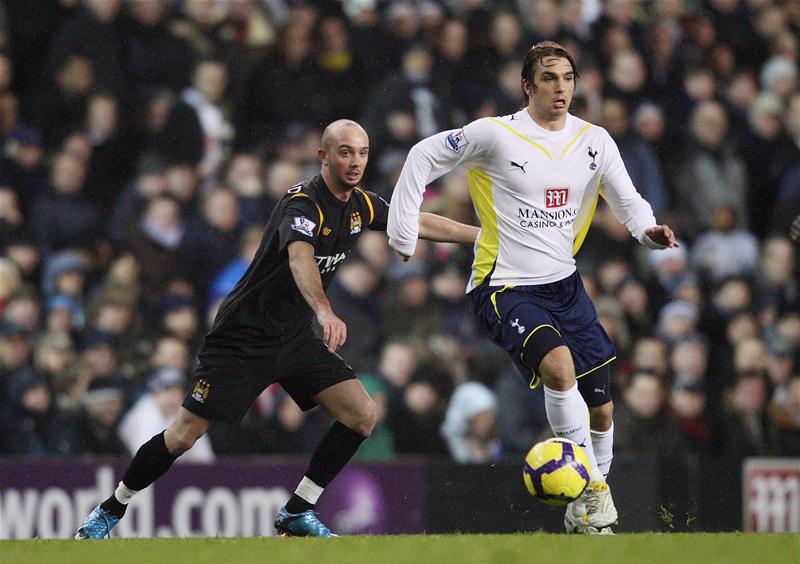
(355, 223)
(200, 391)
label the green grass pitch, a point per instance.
(670, 548)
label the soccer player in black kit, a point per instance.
(263, 334)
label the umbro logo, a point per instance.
(519, 166)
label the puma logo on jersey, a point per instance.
(520, 328)
(600, 390)
(519, 166)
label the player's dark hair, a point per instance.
(537, 53)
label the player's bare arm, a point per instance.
(309, 282)
(434, 227)
(439, 228)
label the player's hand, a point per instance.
(334, 330)
(405, 258)
(662, 235)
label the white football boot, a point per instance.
(593, 513)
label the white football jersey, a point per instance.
(535, 192)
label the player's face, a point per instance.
(552, 89)
(347, 157)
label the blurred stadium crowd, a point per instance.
(144, 144)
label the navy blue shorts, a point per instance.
(559, 313)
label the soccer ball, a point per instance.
(556, 471)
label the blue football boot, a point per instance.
(97, 525)
(305, 524)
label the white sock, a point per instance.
(309, 491)
(603, 444)
(568, 416)
(124, 494)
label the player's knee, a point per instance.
(366, 419)
(181, 441)
(546, 353)
(601, 416)
(180, 438)
(558, 373)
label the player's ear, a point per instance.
(323, 156)
(527, 87)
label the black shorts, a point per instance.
(227, 380)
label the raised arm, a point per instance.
(438, 228)
(306, 275)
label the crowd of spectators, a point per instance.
(144, 144)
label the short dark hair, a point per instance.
(537, 53)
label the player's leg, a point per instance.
(151, 461)
(355, 415)
(601, 418)
(526, 323)
(519, 320)
(223, 390)
(597, 502)
(567, 411)
(586, 359)
(593, 353)
(317, 376)
(569, 417)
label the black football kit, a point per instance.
(263, 330)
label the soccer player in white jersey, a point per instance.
(535, 178)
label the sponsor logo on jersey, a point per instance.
(355, 223)
(456, 140)
(304, 225)
(532, 218)
(200, 391)
(329, 263)
(556, 197)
